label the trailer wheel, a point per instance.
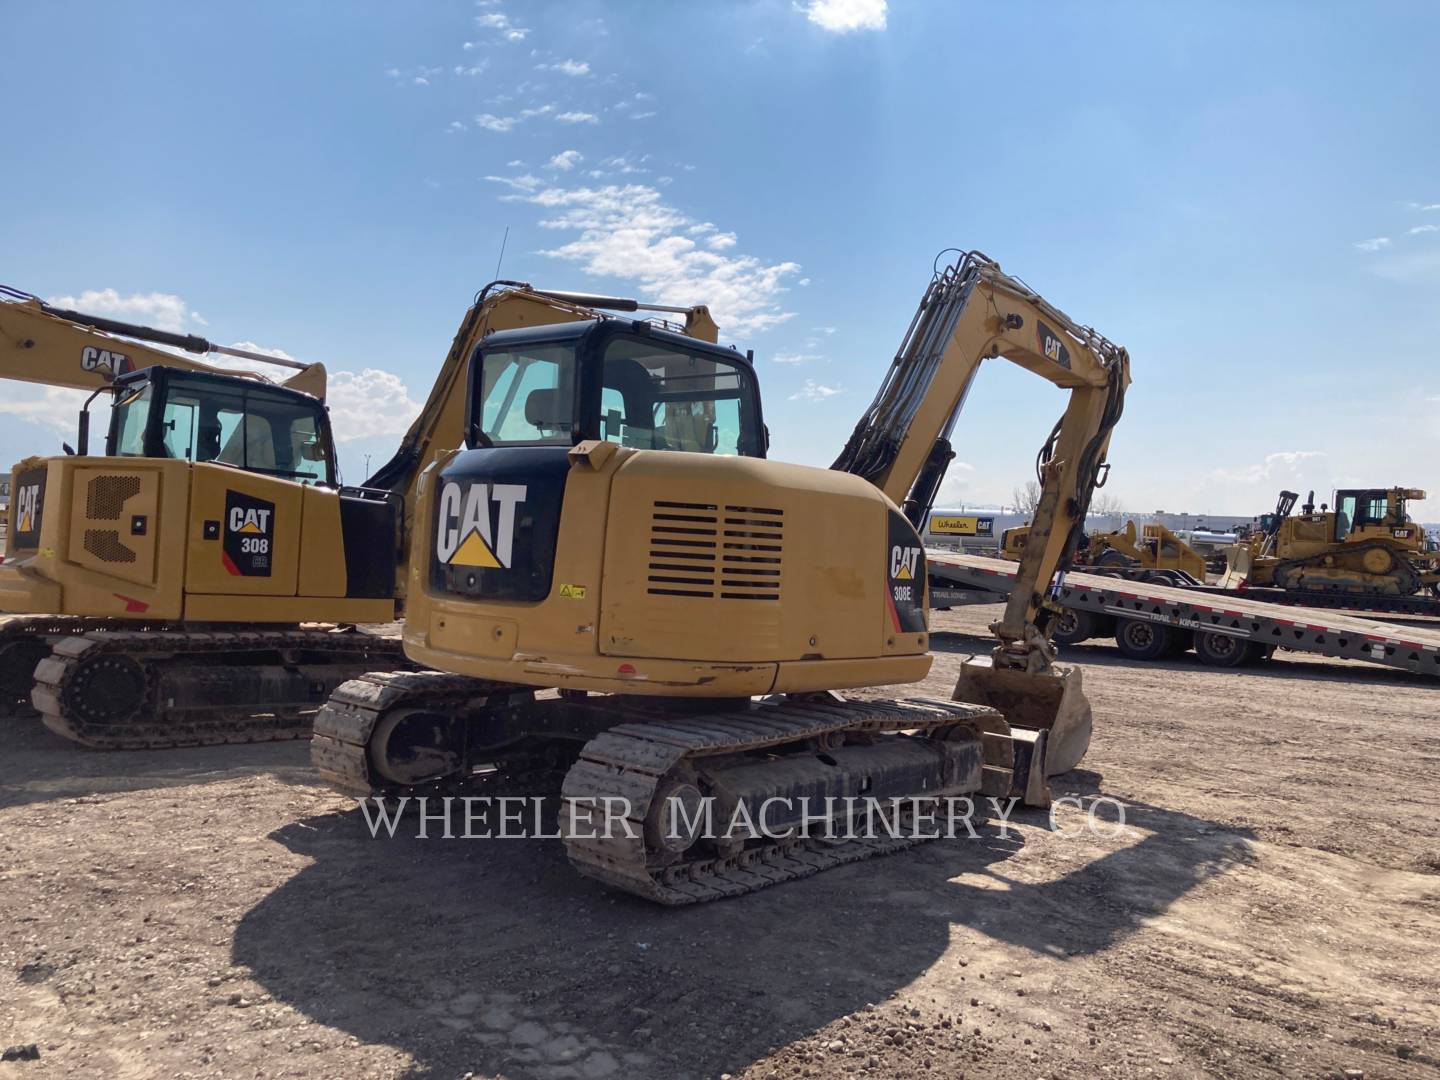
(1072, 627)
(1141, 640)
(1223, 650)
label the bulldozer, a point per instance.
(617, 590)
(1155, 554)
(205, 578)
(1368, 545)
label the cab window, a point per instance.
(657, 397)
(528, 395)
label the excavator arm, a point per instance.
(972, 312)
(40, 343)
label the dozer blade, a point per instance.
(1051, 702)
(1238, 564)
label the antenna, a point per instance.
(501, 259)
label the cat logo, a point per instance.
(252, 521)
(27, 508)
(476, 526)
(247, 549)
(903, 561)
(93, 359)
(1052, 345)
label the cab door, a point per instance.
(244, 533)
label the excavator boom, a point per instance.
(41, 343)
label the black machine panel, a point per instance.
(27, 502)
(497, 520)
(370, 527)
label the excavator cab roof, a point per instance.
(197, 416)
(624, 381)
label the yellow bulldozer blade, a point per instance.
(1047, 710)
(1238, 564)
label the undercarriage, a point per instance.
(654, 787)
(123, 686)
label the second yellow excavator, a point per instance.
(204, 579)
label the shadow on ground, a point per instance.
(40, 765)
(494, 956)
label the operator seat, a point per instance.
(548, 411)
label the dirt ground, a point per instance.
(1271, 908)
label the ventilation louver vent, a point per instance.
(707, 551)
(105, 545)
(105, 498)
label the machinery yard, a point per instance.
(1272, 910)
(766, 638)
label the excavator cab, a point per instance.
(624, 382)
(199, 417)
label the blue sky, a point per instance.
(1246, 196)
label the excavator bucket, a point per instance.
(1238, 564)
(1046, 711)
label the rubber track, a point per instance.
(631, 760)
(158, 726)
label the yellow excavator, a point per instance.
(612, 583)
(1154, 551)
(1368, 545)
(204, 579)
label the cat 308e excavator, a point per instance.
(613, 531)
(202, 581)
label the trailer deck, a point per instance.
(1198, 619)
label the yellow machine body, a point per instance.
(148, 539)
(794, 589)
(1367, 544)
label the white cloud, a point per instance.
(1275, 469)
(577, 118)
(845, 16)
(469, 72)
(516, 164)
(455, 126)
(539, 110)
(573, 68)
(566, 160)
(1423, 206)
(813, 391)
(490, 122)
(52, 407)
(500, 21)
(1424, 229)
(370, 402)
(1378, 243)
(629, 233)
(643, 115)
(793, 358)
(721, 241)
(825, 329)
(526, 183)
(163, 311)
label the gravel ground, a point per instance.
(1271, 908)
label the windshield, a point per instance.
(258, 429)
(653, 396)
(656, 397)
